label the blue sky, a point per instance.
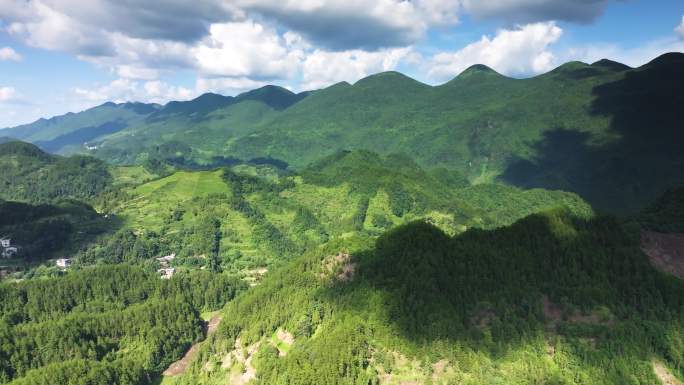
(67, 55)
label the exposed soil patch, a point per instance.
(441, 370)
(666, 251)
(285, 338)
(254, 276)
(341, 267)
(554, 314)
(241, 358)
(179, 367)
(664, 374)
(552, 311)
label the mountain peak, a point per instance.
(477, 69)
(667, 58)
(276, 97)
(389, 79)
(611, 65)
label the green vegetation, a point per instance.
(103, 325)
(666, 215)
(264, 217)
(389, 232)
(551, 299)
(50, 230)
(30, 175)
(581, 128)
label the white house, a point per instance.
(165, 260)
(6, 248)
(166, 273)
(63, 263)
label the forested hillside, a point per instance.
(581, 127)
(551, 299)
(250, 217)
(31, 175)
(382, 233)
(50, 230)
(103, 325)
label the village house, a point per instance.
(6, 248)
(63, 263)
(166, 260)
(166, 273)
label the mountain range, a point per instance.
(604, 130)
(382, 233)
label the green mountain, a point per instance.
(31, 175)
(264, 217)
(49, 230)
(71, 133)
(581, 128)
(552, 299)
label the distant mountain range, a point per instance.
(609, 132)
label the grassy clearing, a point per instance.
(130, 175)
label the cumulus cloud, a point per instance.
(357, 24)
(175, 20)
(259, 52)
(520, 51)
(7, 53)
(322, 68)
(680, 29)
(528, 11)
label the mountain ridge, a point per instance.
(479, 67)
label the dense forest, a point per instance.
(551, 299)
(31, 175)
(103, 325)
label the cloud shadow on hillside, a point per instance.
(621, 176)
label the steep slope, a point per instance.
(550, 299)
(31, 175)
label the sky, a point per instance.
(58, 56)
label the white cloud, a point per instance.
(133, 72)
(246, 49)
(680, 29)
(322, 68)
(39, 25)
(520, 51)
(161, 92)
(7, 53)
(7, 94)
(127, 90)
